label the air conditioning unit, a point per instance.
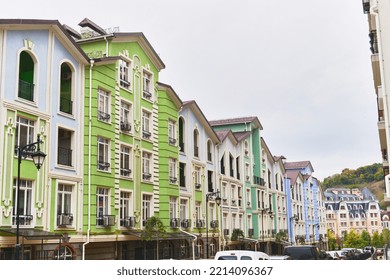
(251, 231)
(65, 220)
(214, 224)
(199, 223)
(185, 223)
(129, 222)
(109, 220)
(174, 223)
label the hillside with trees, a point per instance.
(370, 176)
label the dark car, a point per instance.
(302, 252)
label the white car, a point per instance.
(241, 255)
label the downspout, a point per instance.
(220, 212)
(89, 158)
(193, 241)
(105, 38)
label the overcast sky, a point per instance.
(302, 67)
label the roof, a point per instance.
(242, 135)
(138, 37)
(198, 112)
(298, 165)
(63, 33)
(293, 175)
(237, 121)
(171, 92)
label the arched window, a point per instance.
(181, 134)
(66, 102)
(196, 143)
(209, 150)
(26, 76)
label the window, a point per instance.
(147, 86)
(102, 205)
(197, 182)
(181, 134)
(172, 208)
(231, 165)
(125, 117)
(183, 209)
(171, 132)
(146, 166)
(26, 76)
(210, 180)
(196, 143)
(223, 165)
(125, 209)
(124, 74)
(209, 151)
(238, 168)
(64, 156)
(24, 132)
(146, 125)
(22, 202)
(103, 154)
(103, 105)
(125, 164)
(172, 171)
(146, 207)
(66, 103)
(64, 205)
(182, 174)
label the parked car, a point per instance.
(279, 257)
(302, 252)
(241, 255)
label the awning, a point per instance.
(167, 235)
(33, 234)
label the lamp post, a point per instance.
(32, 150)
(210, 196)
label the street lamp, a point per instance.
(210, 196)
(32, 150)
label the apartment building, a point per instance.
(378, 17)
(348, 209)
(41, 76)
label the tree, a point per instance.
(386, 236)
(331, 240)
(154, 228)
(237, 234)
(353, 240)
(366, 238)
(376, 240)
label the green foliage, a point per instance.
(353, 240)
(377, 240)
(237, 234)
(353, 178)
(332, 241)
(281, 235)
(386, 236)
(154, 227)
(366, 238)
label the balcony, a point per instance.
(146, 134)
(258, 181)
(125, 126)
(125, 172)
(172, 141)
(103, 116)
(104, 166)
(64, 156)
(147, 95)
(146, 176)
(24, 220)
(125, 84)
(66, 105)
(26, 90)
(198, 186)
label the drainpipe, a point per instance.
(89, 157)
(193, 241)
